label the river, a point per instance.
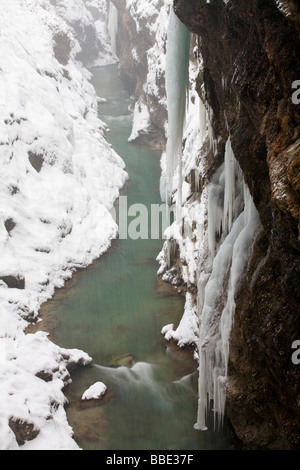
(115, 310)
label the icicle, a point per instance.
(225, 199)
(194, 180)
(202, 398)
(203, 119)
(215, 209)
(224, 82)
(212, 140)
(213, 289)
(197, 181)
(113, 26)
(170, 247)
(229, 194)
(232, 257)
(177, 80)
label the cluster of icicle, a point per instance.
(233, 223)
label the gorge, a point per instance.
(211, 91)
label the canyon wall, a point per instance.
(141, 43)
(250, 62)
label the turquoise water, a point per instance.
(115, 311)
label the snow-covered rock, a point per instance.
(89, 20)
(96, 391)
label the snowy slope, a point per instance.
(59, 178)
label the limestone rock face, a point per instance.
(250, 53)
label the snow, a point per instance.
(58, 182)
(95, 391)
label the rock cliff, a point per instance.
(250, 54)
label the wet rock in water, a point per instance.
(182, 356)
(164, 289)
(91, 426)
(121, 360)
(80, 404)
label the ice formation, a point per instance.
(177, 82)
(113, 26)
(233, 223)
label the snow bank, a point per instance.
(58, 182)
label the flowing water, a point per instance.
(115, 310)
